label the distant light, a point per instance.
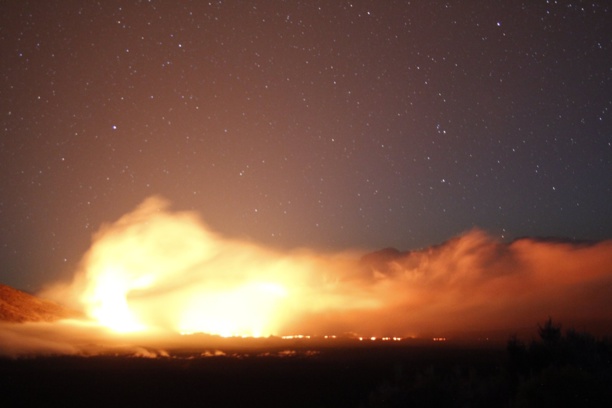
(295, 336)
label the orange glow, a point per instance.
(156, 273)
(108, 303)
(131, 265)
(157, 270)
(247, 310)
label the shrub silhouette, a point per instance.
(558, 370)
(550, 333)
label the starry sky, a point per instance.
(320, 124)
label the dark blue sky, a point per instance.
(321, 124)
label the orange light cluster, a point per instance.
(295, 336)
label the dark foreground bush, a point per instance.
(557, 370)
(570, 370)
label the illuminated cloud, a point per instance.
(473, 282)
(156, 273)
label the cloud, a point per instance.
(474, 282)
(155, 273)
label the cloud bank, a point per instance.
(155, 273)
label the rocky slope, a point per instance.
(17, 307)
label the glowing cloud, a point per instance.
(154, 269)
(156, 273)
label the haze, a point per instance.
(156, 273)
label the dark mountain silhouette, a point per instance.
(18, 307)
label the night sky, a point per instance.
(321, 124)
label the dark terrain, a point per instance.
(557, 370)
(352, 376)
